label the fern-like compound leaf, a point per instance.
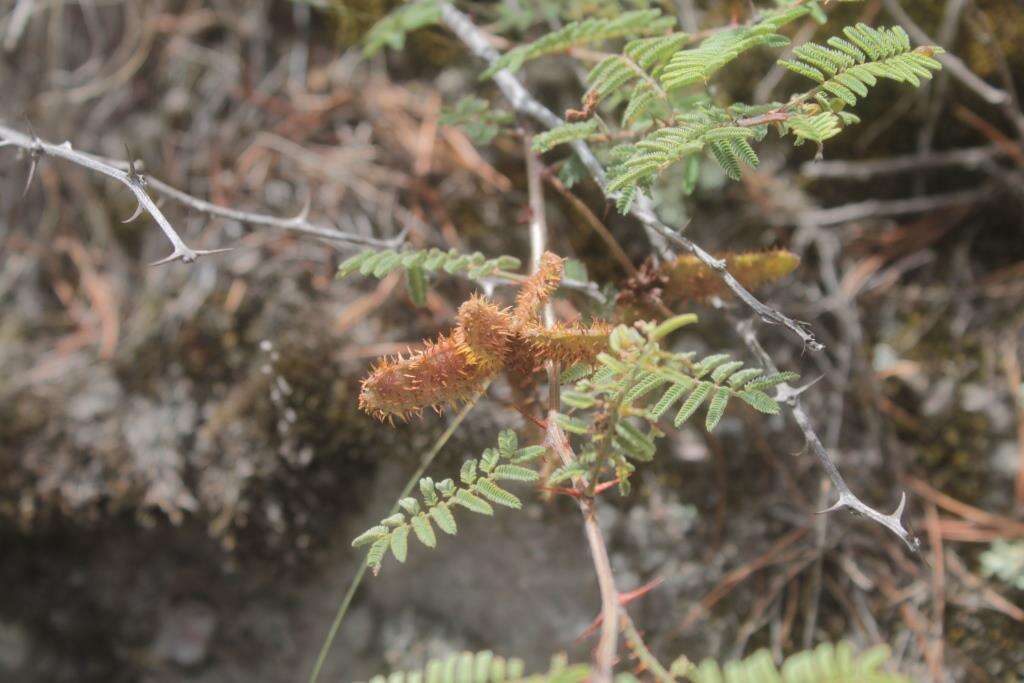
(847, 67)
(465, 667)
(586, 32)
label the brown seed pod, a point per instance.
(688, 279)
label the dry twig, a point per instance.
(127, 173)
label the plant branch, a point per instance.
(127, 173)
(556, 439)
(660, 234)
(847, 499)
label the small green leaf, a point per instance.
(671, 325)
(370, 535)
(515, 473)
(416, 284)
(376, 552)
(445, 519)
(400, 543)
(494, 493)
(692, 402)
(724, 371)
(578, 399)
(473, 503)
(388, 262)
(772, 380)
(424, 532)
(744, 376)
(528, 454)
(760, 401)
(428, 491)
(352, 264)
(717, 408)
(508, 442)
(668, 398)
(571, 424)
(489, 459)
(397, 519)
(468, 473)
(410, 505)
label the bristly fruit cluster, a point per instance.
(487, 340)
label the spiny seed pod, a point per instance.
(484, 329)
(442, 373)
(539, 287)
(568, 344)
(487, 340)
(690, 280)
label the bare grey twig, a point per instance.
(131, 179)
(874, 208)
(847, 499)
(660, 234)
(867, 169)
(127, 173)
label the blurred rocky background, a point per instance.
(182, 464)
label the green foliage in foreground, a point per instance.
(826, 663)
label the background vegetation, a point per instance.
(182, 461)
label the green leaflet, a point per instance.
(473, 503)
(848, 66)
(716, 409)
(494, 493)
(445, 519)
(424, 531)
(477, 490)
(417, 264)
(760, 401)
(826, 663)
(588, 31)
(692, 402)
(400, 543)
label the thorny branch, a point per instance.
(660, 234)
(127, 173)
(559, 442)
(847, 499)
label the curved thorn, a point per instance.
(838, 505)
(173, 257)
(898, 513)
(138, 212)
(31, 174)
